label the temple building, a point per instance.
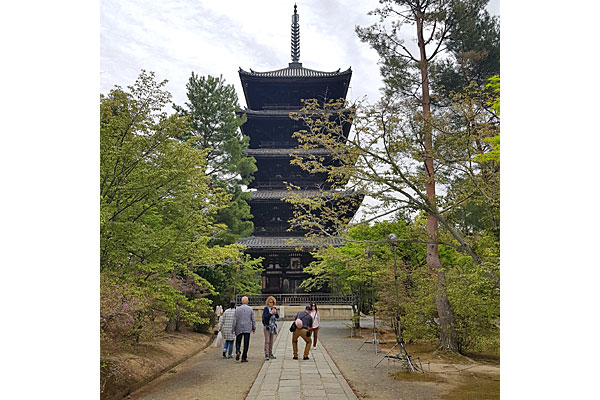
(270, 97)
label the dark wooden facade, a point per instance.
(270, 97)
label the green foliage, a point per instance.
(236, 217)
(494, 84)
(236, 276)
(368, 257)
(475, 297)
(468, 150)
(417, 300)
(463, 30)
(247, 279)
(157, 208)
(474, 53)
(368, 254)
(411, 294)
(212, 109)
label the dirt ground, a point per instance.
(476, 377)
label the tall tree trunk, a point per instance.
(448, 340)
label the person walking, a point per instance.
(303, 324)
(314, 313)
(269, 320)
(226, 328)
(243, 324)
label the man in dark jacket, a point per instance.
(303, 332)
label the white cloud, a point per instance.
(175, 38)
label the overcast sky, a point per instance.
(175, 37)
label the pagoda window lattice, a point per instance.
(295, 263)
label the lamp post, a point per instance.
(393, 237)
(375, 341)
(370, 254)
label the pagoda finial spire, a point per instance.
(295, 38)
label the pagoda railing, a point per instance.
(299, 299)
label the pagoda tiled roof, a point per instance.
(283, 242)
(295, 71)
(285, 152)
(269, 113)
(282, 194)
(286, 113)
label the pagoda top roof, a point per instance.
(295, 70)
(286, 242)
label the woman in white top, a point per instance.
(316, 323)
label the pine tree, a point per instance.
(213, 111)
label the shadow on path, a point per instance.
(208, 375)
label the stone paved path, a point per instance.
(288, 379)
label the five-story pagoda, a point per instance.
(270, 97)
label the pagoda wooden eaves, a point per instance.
(286, 194)
(286, 243)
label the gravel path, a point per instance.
(358, 366)
(208, 375)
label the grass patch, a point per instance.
(449, 357)
(476, 387)
(422, 347)
(485, 358)
(417, 377)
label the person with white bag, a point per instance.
(225, 330)
(218, 340)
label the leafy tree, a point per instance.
(348, 269)
(474, 296)
(344, 271)
(432, 22)
(214, 127)
(389, 275)
(397, 152)
(370, 258)
(157, 212)
(232, 277)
